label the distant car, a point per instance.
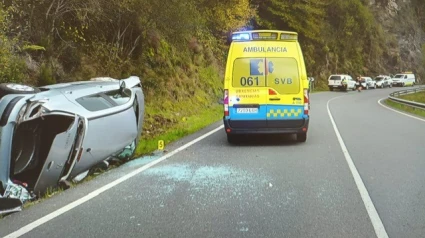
(367, 82)
(404, 79)
(383, 81)
(342, 82)
(53, 133)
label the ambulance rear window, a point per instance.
(249, 72)
(335, 77)
(283, 75)
(279, 73)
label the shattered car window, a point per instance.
(119, 98)
(94, 103)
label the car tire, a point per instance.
(331, 89)
(231, 139)
(13, 88)
(302, 137)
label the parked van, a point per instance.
(266, 90)
(404, 79)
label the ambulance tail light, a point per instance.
(306, 101)
(226, 102)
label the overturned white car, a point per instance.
(51, 134)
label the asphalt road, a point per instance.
(263, 187)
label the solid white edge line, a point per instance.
(370, 208)
(394, 110)
(44, 219)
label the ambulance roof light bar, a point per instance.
(264, 35)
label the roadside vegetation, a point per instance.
(414, 97)
(179, 49)
(402, 107)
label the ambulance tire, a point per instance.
(302, 137)
(231, 139)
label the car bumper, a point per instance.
(266, 127)
(338, 86)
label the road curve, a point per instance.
(263, 187)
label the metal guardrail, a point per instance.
(395, 97)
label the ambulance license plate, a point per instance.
(247, 110)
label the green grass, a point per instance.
(415, 97)
(183, 128)
(404, 108)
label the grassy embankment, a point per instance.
(416, 97)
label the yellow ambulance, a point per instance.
(266, 90)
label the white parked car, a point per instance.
(383, 81)
(367, 82)
(342, 82)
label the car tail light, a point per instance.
(226, 102)
(306, 101)
(272, 92)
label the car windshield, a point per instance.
(379, 78)
(335, 78)
(399, 76)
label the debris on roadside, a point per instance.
(14, 197)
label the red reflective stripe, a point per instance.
(226, 102)
(306, 102)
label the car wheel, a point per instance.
(382, 85)
(302, 137)
(331, 89)
(231, 139)
(13, 88)
(367, 87)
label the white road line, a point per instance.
(98, 191)
(370, 208)
(394, 110)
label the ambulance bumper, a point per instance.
(266, 126)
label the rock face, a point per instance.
(405, 34)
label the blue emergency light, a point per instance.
(241, 36)
(264, 35)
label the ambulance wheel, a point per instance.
(231, 139)
(302, 137)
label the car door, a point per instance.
(248, 92)
(351, 83)
(58, 156)
(286, 96)
(112, 125)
